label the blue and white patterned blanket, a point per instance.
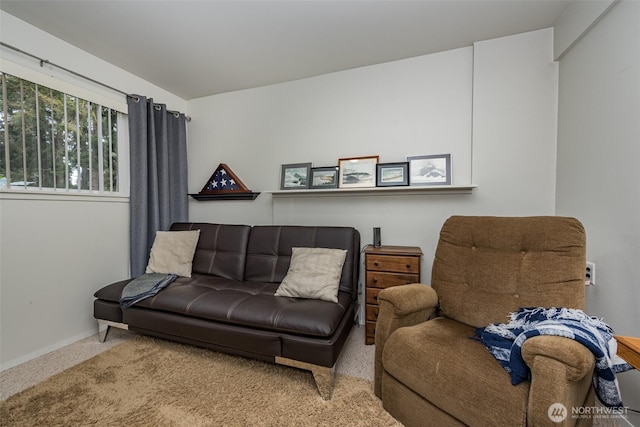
(505, 341)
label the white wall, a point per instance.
(493, 107)
(54, 256)
(576, 21)
(55, 252)
(598, 175)
(514, 125)
(416, 106)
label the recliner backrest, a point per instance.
(485, 268)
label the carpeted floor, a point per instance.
(356, 361)
(145, 381)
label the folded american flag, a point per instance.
(505, 341)
(221, 180)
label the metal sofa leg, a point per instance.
(105, 325)
(102, 333)
(324, 377)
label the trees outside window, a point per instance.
(53, 140)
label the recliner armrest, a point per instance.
(578, 359)
(561, 372)
(408, 299)
(400, 306)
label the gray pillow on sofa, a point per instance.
(314, 273)
(172, 252)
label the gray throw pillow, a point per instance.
(172, 252)
(314, 273)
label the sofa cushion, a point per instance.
(172, 252)
(439, 362)
(221, 249)
(107, 303)
(269, 251)
(313, 273)
(112, 292)
(243, 303)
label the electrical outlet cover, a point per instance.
(590, 274)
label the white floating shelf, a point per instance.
(376, 191)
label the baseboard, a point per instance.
(41, 352)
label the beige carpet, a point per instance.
(145, 381)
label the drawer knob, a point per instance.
(408, 265)
(375, 280)
(375, 263)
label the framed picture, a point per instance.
(357, 171)
(392, 174)
(430, 170)
(295, 176)
(326, 177)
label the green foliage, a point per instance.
(50, 139)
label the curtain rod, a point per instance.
(46, 61)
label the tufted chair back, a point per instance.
(485, 268)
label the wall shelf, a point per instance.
(376, 191)
(237, 195)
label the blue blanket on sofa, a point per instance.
(143, 287)
(505, 341)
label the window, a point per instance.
(50, 140)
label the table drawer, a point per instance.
(372, 312)
(372, 296)
(377, 279)
(397, 264)
(371, 333)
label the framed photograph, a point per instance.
(295, 176)
(392, 174)
(326, 177)
(430, 170)
(357, 171)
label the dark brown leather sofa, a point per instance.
(228, 303)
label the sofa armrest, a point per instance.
(561, 372)
(400, 306)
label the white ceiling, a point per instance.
(200, 48)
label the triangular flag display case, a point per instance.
(224, 185)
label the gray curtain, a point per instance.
(158, 155)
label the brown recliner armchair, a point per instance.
(428, 372)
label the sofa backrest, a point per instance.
(269, 251)
(221, 250)
(485, 268)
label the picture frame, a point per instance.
(357, 172)
(295, 176)
(392, 174)
(430, 170)
(324, 177)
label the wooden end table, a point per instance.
(629, 349)
(387, 266)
